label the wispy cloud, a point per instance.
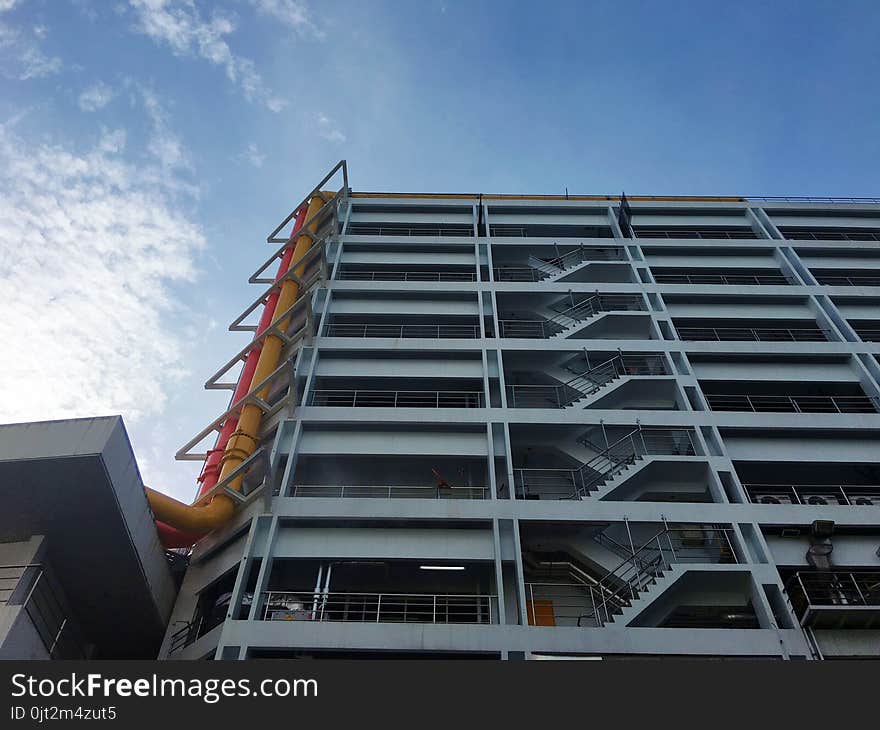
(164, 144)
(21, 57)
(253, 155)
(291, 13)
(328, 129)
(179, 25)
(90, 249)
(7, 5)
(95, 97)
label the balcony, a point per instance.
(421, 608)
(836, 599)
(761, 277)
(377, 476)
(840, 483)
(384, 591)
(543, 230)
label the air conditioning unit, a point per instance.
(773, 498)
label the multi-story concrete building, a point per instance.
(581, 426)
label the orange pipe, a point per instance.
(244, 440)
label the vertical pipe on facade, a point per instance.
(172, 537)
(191, 520)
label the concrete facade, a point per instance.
(532, 427)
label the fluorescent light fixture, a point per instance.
(441, 567)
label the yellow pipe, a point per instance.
(243, 442)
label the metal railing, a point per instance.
(540, 269)
(837, 280)
(808, 199)
(397, 398)
(366, 229)
(388, 492)
(829, 235)
(868, 334)
(728, 233)
(862, 495)
(31, 587)
(811, 590)
(727, 279)
(597, 603)
(426, 331)
(793, 403)
(503, 230)
(750, 334)
(380, 275)
(578, 482)
(565, 318)
(430, 608)
(584, 384)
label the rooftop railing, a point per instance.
(381, 275)
(427, 331)
(397, 398)
(808, 199)
(753, 334)
(726, 279)
(859, 495)
(793, 403)
(424, 608)
(387, 492)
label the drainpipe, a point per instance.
(242, 439)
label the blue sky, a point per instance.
(148, 146)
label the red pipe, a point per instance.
(171, 537)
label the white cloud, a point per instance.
(328, 129)
(7, 5)
(253, 155)
(21, 57)
(295, 15)
(163, 144)
(97, 96)
(179, 24)
(91, 247)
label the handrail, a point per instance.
(836, 280)
(445, 608)
(383, 275)
(795, 235)
(355, 491)
(367, 329)
(749, 334)
(662, 561)
(397, 398)
(810, 591)
(732, 233)
(793, 403)
(367, 229)
(728, 279)
(598, 303)
(868, 334)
